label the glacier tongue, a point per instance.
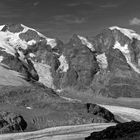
(44, 73)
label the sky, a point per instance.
(63, 18)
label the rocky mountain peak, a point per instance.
(127, 32)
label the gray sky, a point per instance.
(63, 18)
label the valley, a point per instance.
(76, 132)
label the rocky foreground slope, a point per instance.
(123, 131)
(41, 108)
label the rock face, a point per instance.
(78, 65)
(11, 122)
(122, 131)
(120, 77)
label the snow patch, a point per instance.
(127, 32)
(21, 56)
(1, 27)
(63, 63)
(28, 107)
(126, 52)
(86, 42)
(124, 49)
(31, 54)
(1, 58)
(51, 42)
(59, 90)
(102, 60)
(31, 42)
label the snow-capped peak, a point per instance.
(1, 27)
(127, 32)
(86, 42)
(10, 42)
(50, 41)
(126, 52)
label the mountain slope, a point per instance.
(108, 65)
(12, 78)
(122, 53)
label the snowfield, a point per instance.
(11, 42)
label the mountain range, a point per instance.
(107, 65)
(42, 77)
